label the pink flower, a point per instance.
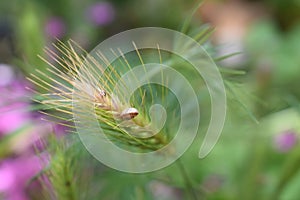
(15, 174)
(12, 117)
(55, 27)
(13, 105)
(212, 183)
(285, 141)
(6, 75)
(101, 13)
(7, 178)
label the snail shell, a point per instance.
(129, 113)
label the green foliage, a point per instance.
(63, 170)
(31, 40)
(263, 101)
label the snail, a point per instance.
(129, 113)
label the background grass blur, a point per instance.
(258, 154)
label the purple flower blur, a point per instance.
(55, 27)
(6, 75)
(13, 103)
(285, 141)
(16, 171)
(101, 13)
(14, 175)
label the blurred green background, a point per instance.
(258, 154)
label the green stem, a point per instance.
(188, 182)
(289, 171)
